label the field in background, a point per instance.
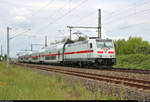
(135, 61)
(22, 84)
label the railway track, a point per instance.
(143, 84)
(126, 70)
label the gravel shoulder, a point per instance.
(108, 73)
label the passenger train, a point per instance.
(91, 52)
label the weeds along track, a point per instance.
(143, 84)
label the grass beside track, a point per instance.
(21, 84)
(134, 61)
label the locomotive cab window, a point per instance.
(109, 44)
(102, 44)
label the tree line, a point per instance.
(134, 45)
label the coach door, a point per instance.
(58, 55)
(90, 46)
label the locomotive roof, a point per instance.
(25, 53)
(42, 50)
(99, 38)
(57, 46)
(103, 39)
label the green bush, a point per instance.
(136, 61)
(134, 45)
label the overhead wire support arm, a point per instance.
(82, 27)
(70, 27)
(8, 59)
(35, 44)
(99, 24)
(19, 34)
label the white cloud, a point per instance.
(20, 18)
(20, 15)
(47, 5)
(19, 11)
(37, 4)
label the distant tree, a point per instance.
(5, 57)
(59, 41)
(120, 46)
(132, 46)
(1, 58)
(82, 38)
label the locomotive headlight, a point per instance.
(112, 56)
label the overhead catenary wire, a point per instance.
(59, 18)
(19, 34)
(85, 17)
(38, 11)
(126, 9)
(112, 19)
(67, 13)
(58, 11)
(45, 6)
(126, 16)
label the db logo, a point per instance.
(105, 50)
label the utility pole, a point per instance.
(45, 41)
(1, 57)
(70, 29)
(1, 50)
(70, 33)
(99, 24)
(36, 45)
(8, 39)
(31, 47)
(8, 47)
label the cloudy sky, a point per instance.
(32, 20)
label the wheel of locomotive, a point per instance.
(104, 67)
(81, 64)
(87, 64)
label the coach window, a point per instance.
(90, 45)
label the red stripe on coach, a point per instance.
(88, 51)
(111, 52)
(101, 52)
